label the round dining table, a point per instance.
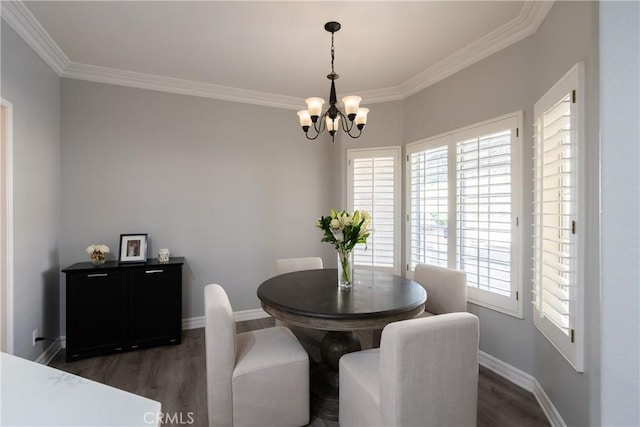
(311, 299)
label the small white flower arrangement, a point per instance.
(97, 253)
(103, 249)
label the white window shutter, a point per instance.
(557, 299)
(463, 203)
(429, 201)
(484, 211)
(374, 188)
(554, 260)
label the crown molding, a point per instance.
(183, 87)
(18, 16)
(374, 96)
(525, 24)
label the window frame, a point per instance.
(367, 153)
(512, 305)
(570, 346)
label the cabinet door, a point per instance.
(96, 313)
(155, 305)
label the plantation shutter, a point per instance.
(429, 193)
(463, 205)
(558, 209)
(483, 213)
(554, 260)
(374, 178)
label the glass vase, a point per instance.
(97, 258)
(345, 270)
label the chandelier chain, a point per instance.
(333, 54)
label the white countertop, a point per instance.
(37, 395)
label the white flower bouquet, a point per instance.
(103, 249)
(97, 253)
(345, 231)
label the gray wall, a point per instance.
(620, 136)
(514, 79)
(34, 90)
(231, 187)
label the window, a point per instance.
(557, 257)
(374, 186)
(464, 205)
(429, 200)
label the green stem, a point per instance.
(346, 270)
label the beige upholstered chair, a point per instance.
(287, 265)
(258, 378)
(446, 289)
(425, 373)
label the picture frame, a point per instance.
(133, 248)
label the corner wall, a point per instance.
(34, 90)
(510, 80)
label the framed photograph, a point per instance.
(133, 248)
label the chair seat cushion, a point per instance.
(265, 348)
(271, 379)
(360, 387)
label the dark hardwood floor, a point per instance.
(175, 376)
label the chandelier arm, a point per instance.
(311, 139)
(347, 124)
(322, 120)
(319, 128)
(354, 136)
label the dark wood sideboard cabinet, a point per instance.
(118, 307)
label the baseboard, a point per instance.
(193, 323)
(240, 316)
(49, 353)
(244, 315)
(547, 406)
(515, 375)
(527, 382)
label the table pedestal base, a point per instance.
(325, 378)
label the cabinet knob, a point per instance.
(154, 271)
(98, 275)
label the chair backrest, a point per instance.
(446, 288)
(287, 265)
(429, 371)
(220, 345)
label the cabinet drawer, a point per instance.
(156, 294)
(96, 312)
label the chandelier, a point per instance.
(355, 116)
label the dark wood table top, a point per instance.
(311, 299)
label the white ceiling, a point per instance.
(280, 48)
